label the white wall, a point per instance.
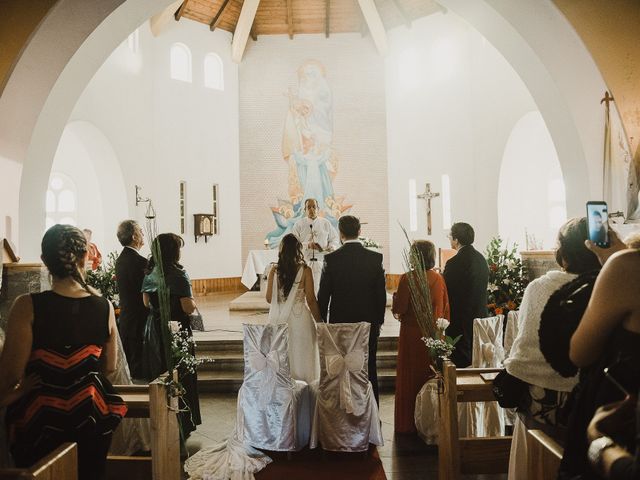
(452, 100)
(531, 193)
(164, 131)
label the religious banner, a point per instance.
(307, 147)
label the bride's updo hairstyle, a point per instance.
(289, 260)
(64, 249)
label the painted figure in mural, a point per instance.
(306, 143)
(307, 148)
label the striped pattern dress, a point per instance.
(74, 401)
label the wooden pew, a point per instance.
(150, 401)
(62, 463)
(488, 455)
(543, 456)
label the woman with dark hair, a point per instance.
(181, 305)
(412, 368)
(547, 390)
(293, 301)
(65, 336)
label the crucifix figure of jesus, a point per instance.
(428, 195)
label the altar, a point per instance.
(256, 264)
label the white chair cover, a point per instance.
(274, 411)
(346, 416)
(427, 412)
(484, 419)
(511, 331)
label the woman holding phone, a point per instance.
(608, 337)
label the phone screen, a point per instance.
(598, 216)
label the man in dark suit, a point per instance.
(466, 275)
(352, 288)
(130, 268)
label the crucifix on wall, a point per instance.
(428, 195)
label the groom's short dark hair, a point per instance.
(349, 226)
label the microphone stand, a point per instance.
(313, 241)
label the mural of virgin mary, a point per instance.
(307, 148)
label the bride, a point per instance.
(293, 301)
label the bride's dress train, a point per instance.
(233, 459)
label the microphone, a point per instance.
(313, 250)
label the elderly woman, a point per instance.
(548, 390)
(412, 368)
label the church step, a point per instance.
(230, 382)
(234, 361)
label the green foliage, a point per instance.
(507, 277)
(104, 279)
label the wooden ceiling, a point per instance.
(292, 17)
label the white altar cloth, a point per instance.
(256, 263)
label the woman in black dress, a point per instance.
(608, 337)
(182, 305)
(66, 337)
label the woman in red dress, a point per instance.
(412, 370)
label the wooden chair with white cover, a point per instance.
(484, 419)
(511, 331)
(346, 416)
(274, 411)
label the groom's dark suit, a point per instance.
(130, 267)
(352, 289)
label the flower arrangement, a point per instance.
(182, 346)
(104, 279)
(440, 345)
(507, 277)
(369, 243)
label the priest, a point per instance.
(317, 236)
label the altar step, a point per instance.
(224, 374)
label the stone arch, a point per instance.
(76, 37)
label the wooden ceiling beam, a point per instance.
(376, 27)
(327, 16)
(180, 10)
(402, 12)
(290, 18)
(214, 21)
(243, 29)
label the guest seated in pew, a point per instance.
(608, 337)
(65, 336)
(412, 370)
(547, 390)
(607, 455)
(181, 304)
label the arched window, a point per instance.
(180, 62)
(213, 72)
(61, 201)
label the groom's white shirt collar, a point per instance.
(355, 240)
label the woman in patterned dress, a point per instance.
(66, 337)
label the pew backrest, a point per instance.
(62, 463)
(544, 455)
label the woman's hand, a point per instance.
(603, 254)
(613, 419)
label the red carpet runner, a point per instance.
(310, 465)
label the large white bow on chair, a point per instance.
(269, 365)
(352, 362)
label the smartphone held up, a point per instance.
(598, 221)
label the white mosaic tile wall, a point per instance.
(355, 73)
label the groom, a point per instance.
(352, 288)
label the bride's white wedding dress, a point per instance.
(232, 458)
(304, 361)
